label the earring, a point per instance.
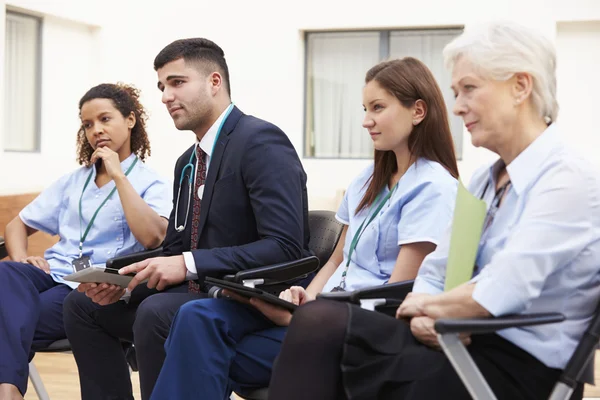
(415, 122)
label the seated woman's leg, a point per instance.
(20, 307)
(308, 366)
(201, 348)
(51, 327)
(381, 359)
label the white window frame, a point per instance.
(309, 137)
(22, 77)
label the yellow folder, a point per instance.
(467, 226)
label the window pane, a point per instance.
(21, 83)
(427, 46)
(336, 67)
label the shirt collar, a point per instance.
(126, 163)
(208, 141)
(525, 167)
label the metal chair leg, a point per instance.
(37, 382)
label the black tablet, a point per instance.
(251, 292)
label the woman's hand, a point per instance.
(423, 329)
(413, 305)
(39, 262)
(297, 295)
(111, 162)
(280, 316)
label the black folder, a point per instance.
(251, 292)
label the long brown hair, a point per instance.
(409, 80)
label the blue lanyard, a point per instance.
(82, 236)
(361, 229)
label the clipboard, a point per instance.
(467, 227)
(246, 291)
(96, 274)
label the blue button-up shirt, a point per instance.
(56, 211)
(542, 250)
(419, 210)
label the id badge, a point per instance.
(337, 289)
(81, 263)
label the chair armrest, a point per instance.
(396, 290)
(3, 252)
(278, 273)
(488, 325)
(346, 297)
(123, 261)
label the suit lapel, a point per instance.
(215, 164)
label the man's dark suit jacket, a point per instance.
(254, 210)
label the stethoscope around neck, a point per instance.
(191, 167)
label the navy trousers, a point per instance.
(96, 334)
(216, 346)
(30, 317)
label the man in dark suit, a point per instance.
(239, 202)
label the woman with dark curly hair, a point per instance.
(112, 206)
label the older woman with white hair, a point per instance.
(539, 252)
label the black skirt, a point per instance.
(382, 360)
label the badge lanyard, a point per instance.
(87, 230)
(361, 229)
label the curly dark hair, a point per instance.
(126, 99)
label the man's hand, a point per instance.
(160, 272)
(423, 330)
(39, 262)
(412, 306)
(102, 293)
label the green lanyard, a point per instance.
(361, 230)
(87, 230)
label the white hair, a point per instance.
(501, 49)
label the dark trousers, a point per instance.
(30, 318)
(216, 346)
(96, 334)
(375, 356)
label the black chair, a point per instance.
(60, 346)
(579, 369)
(383, 298)
(3, 252)
(325, 232)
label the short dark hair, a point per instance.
(126, 99)
(195, 50)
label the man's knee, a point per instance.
(76, 303)
(151, 320)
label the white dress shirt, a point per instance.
(206, 144)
